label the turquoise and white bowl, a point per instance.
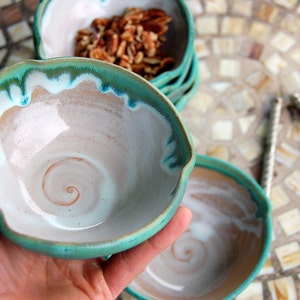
(225, 246)
(93, 159)
(57, 22)
(186, 90)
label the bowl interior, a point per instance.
(85, 154)
(225, 245)
(55, 31)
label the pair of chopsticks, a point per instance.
(271, 140)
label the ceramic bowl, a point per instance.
(225, 246)
(55, 30)
(93, 159)
(191, 82)
(176, 83)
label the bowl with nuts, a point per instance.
(152, 38)
(93, 158)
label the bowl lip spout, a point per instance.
(159, 80)
(264, 212)
(16, 74)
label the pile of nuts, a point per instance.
(133, 41)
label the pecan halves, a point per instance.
(133, 41)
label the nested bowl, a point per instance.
(93, 158)
(57, 22)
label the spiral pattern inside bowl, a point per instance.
(81, 157)
(218, 251)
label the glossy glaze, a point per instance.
(83, 156)
(54, 31)
(222, 247)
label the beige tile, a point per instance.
(250, 149)
(222, 130)
(267, 12)
(204, 70)
(279, 197)
(206, 25)
(253, 292)
(205, 101)
(245, 123)
(295, 55)
(243, 7)
(282, 41)
(201, 48)
(221, 86)
(292, 182)
(288, 255)
(283, 289)
(275, 63)
(290, 23)
(221, 111)
(233, 25)
(230, 67)
(259, 31)
(195, 6)
(290, 221)
(216, 6)
(19, 31)
(242, 101)
(286, 3)
(286, 154)
(259, 80)
(222, 46)
(290, 81)
(293, 131)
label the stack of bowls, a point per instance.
(55, 32)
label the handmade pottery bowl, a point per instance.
(181, 102)
(225, 246)
(55, 31)
(191, 80)
(178, 81)
(93, 159)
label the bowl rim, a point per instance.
(251, 185)
(80, 250)
(160, 80)
(190, 85)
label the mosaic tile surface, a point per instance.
(249, 52)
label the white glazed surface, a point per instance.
(218, 251)
(59, 29)
(75, 168)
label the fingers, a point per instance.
(122, 268)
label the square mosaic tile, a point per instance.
(288, 255)
(253, 291)
(290, 221)
(283, 288)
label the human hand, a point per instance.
(28, 275)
